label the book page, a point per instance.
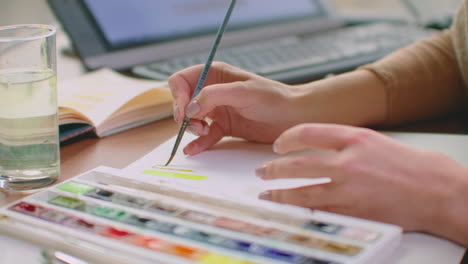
(150, 106)
(99, 94)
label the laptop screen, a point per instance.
(137, 22)
(121, 34)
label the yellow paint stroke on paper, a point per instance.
(162, 167)
(175, 175)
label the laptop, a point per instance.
(290, 41)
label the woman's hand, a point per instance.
(239, 103)
(374, 177)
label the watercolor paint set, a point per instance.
(102, 217)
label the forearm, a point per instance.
(355, 98)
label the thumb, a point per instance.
(225, 94)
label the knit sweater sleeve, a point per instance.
(424, 80)
(460, 42)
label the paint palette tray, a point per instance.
(104, 218)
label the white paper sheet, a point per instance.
(229, 168)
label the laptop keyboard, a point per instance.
(292, 59)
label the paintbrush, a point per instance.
(204, 73)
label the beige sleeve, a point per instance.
(460, 40)
(421, 81)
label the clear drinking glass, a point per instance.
(29, 144)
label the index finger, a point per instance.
(184, 82)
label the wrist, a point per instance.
(450, 216)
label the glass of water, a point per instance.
(29, 144)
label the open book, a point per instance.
(106, 102)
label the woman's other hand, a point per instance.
(373, 176)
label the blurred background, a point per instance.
(37, 11)
(25, 11)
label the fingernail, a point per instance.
(191, 129)
(192, 109)
(206, 130)
(176, 114)
(265, 196)
(276, 146)
(261, 171)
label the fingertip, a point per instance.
(276, 146)
(192, 109)
(266, 195)
(205, 129)
(195, 147)
(273, 196)
(204, 142)
(176, 113)
(191, 149)
(261, 172)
